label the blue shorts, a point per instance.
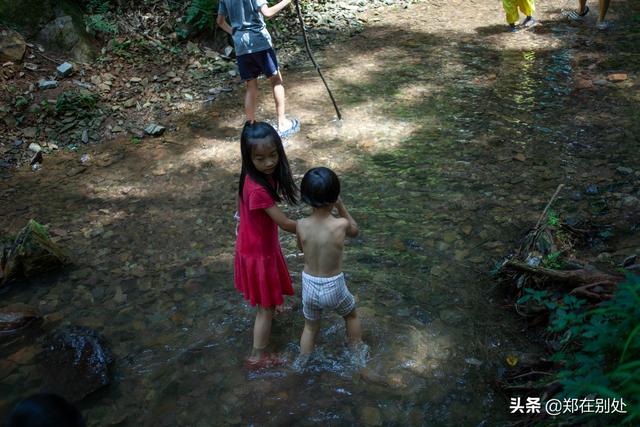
(252, 65)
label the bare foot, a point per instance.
(264, 361)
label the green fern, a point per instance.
(201, 14)
(98, 7)
(100, 24)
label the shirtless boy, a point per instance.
(321, 237)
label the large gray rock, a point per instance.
(12, 46)
(64, 35)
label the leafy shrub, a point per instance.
(602, 349)
(100, 24)
(80, 103)
(96, 21)
(201, 14)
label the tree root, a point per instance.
(583, 276)
(584, 290)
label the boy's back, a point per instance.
(321, 238)
(249, 30)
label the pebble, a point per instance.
(624, 170)
(617, 77)
(65, 69)
(630, 260)
(592, 189)
(371, 416)
(29, 132)
(47, 84)
(154, 129)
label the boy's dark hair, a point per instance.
(320, 187)
(44, 410)
(263, 133)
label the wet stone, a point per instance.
(450, 236)
(617, 77)
(16, 318)
(371, 416)
(624, 170)
(78, 361)
(592, 189)
(452, 316)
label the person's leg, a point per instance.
(261, 330)
(251, 99)
(354, 329)
(308, 338)
(604, 7)
(582, 7)
(528, 8)
(278, 95)
(511, 12)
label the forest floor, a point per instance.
(455, 135)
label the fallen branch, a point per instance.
(544, 212)
(570, 277)
(306, 45)
(526, 374)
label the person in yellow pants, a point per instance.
(511, 9)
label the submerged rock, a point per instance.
(31, 253)
(77, 362)
(15, 318)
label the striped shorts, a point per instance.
(319, 293)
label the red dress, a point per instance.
(261, 272)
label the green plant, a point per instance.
(552, 260)
(201, 13)
(100, 24)
(135, 140)
(80, 103)
(602, 352)
(552, 218)
(539, 297)
(98, 6)
(21, 102)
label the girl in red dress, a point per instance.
(261, 272)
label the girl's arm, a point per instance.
(281, 219)
(268, 12)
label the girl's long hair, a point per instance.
(263, 133)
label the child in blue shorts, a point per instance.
(255, 53)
